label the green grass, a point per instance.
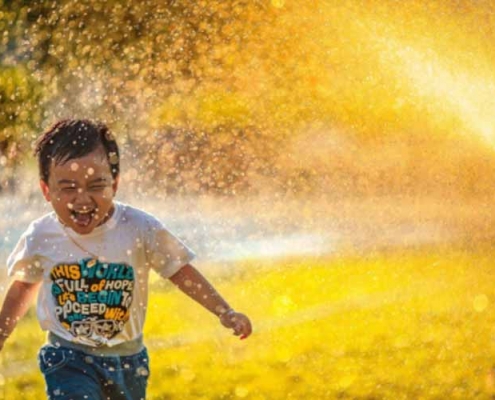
(416, 324)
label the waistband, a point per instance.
(128, 348)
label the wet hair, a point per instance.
(75, 138)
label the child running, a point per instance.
(90, 260)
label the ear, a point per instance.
(115, 184)
(45, 190)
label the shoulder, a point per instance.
(37, 234)
(137, 217)
(42, 226)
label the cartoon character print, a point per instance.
(93, 298)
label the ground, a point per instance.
(402, 324)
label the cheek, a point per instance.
(59, 200)
(60, 206)
(107, 193)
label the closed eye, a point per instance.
(99, 187)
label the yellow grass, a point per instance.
(397, 325)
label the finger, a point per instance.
(245, 327)
(245, 335)
(246, 332)
(249, 328)
(238, 328)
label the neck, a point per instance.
(108, 216)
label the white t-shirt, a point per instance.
(93, 301)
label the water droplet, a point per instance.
(480, 303)
(220, 309)
(278, 3)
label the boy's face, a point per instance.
(81, 191)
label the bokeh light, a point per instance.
(332, 163)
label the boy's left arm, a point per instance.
(191, 282)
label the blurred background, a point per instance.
(265, 131)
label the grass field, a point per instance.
(411, 324)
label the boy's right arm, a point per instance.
(17, 302)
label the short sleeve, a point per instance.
(23, 264)
(165, 252)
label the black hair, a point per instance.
(75, 138)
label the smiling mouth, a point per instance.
(83, 217)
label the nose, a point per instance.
(83, 200)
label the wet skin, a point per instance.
(81, 191)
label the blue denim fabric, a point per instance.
(75, 375)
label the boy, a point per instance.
(90, 260)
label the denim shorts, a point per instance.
(72, 374)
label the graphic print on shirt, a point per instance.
(93, 298)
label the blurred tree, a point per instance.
(93, 54)
(260, 70)
(19, 116)
(114, 62)
(19, 95)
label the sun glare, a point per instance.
(455, 92)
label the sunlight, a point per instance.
(454, 92)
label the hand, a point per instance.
(238, 322)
